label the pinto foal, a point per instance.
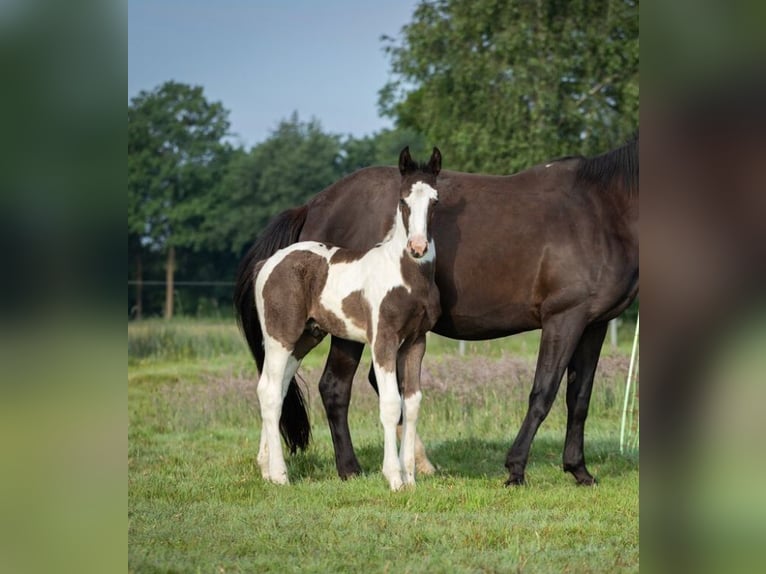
(385, 297)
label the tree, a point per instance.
(297, 161)
(176, 155)
(499, 86)
(382, 148)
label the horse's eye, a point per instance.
(402, 202)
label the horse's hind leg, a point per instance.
(335, 389)
(270, 396)
(582, 369)
(561, 333)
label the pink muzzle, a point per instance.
(418, 246)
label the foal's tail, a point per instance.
(283, 230)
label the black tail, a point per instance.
(283, 230)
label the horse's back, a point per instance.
(354, 212)
(535, 231)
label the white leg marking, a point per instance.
(407, 453)
(290, 369)
(270, 398)
(263, 452)
(390, 410)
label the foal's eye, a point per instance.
(402, 202)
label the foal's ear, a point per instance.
(435, 163)
(405, 161)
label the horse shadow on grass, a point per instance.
(479, 458)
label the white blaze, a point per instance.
(419, 200)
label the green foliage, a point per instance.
(500, 86)
(297, 161)
(382, 148)
(176, 155)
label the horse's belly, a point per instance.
(474, 326)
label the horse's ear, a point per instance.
(435, 163)
(405, 161)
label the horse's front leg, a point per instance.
(410, 360)
(384, 362)
(422, 464)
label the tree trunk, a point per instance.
(169, 269)
(139, 286)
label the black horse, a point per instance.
(552, 247)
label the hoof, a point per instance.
(394, 480)
(347, 475)
(349, 471)
(589, 481)
(515, 481)
(424, 467)
(281, 479)
(581, 475)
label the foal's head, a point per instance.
(417, 197)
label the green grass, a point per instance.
(197, 502)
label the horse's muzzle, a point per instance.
(417, 246)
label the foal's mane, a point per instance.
(619, 162)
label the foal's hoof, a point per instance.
(395, 483)
(424, 467)
(515, 480)
(280, 479)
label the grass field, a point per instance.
(197, 502)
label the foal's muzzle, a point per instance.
(417, 246)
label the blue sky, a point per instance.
(265, 59)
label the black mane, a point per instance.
(619, 162)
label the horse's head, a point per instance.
(417, 197)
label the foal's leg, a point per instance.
(270, 395)
(411, 356)
(560, 335)
(384, 363)
(335, 389)
(422, 464)
(582, 369)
